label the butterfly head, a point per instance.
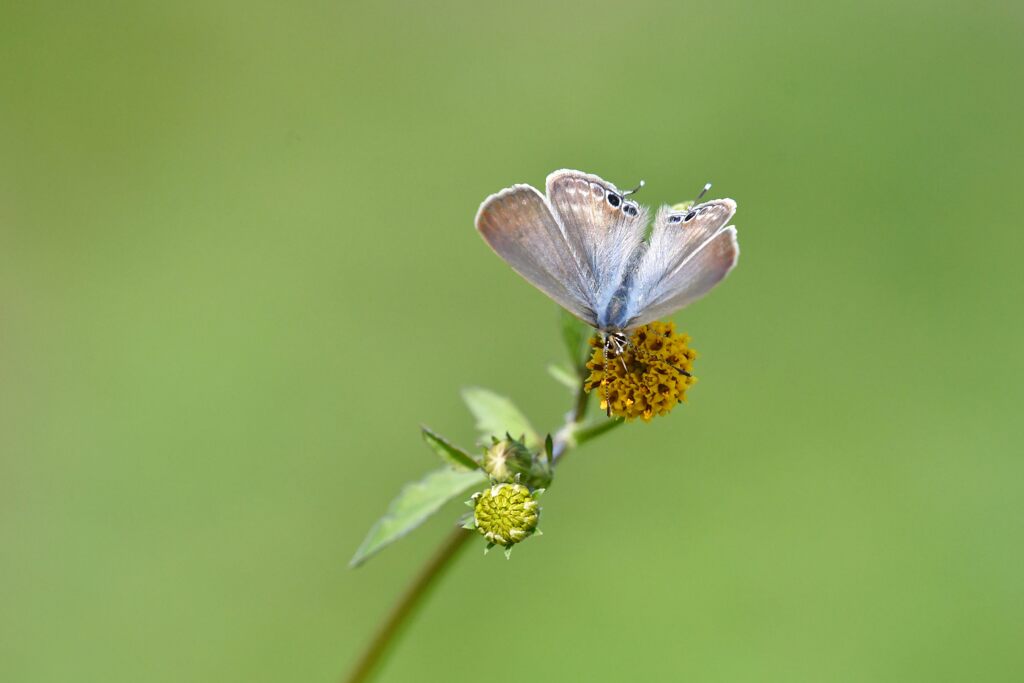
(614, 344)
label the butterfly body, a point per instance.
(584, 244)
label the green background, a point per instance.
(238, 269)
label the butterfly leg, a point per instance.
(619, 343)
(615, 345)
(604, 382)
(607, 352)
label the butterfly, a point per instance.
(584, 244)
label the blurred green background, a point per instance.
(238, 269)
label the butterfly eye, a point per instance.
(690, 216)
(614, 199)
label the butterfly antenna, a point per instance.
(707, 186)
(634, 190)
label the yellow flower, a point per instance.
(648, 378)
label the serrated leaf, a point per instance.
(575, 335)
(496, 416)
(564, 377)
(450, 453)
(414, 504)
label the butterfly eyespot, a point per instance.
(614, 199)
(674, 219)
(629, 209)
(690, 216)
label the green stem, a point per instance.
(579, 409)
(588, 433)
(564, 439)
(407, 604)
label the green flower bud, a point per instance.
(506, 514)
(507, 461)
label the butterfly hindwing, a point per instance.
(689, 253)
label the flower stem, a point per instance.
(565, 438)
(407, 605)
(579, 409)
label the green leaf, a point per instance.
(414, 504)
(450, 453)
(496, 416)
(564, 377)
(575, 335)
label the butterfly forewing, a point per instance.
(519, 226)
(602, 226)
(689, 253)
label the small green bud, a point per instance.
(507, 460)
(506, 514)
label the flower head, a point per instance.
(506, 514)
(648, 378)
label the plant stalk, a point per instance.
(407, 604)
